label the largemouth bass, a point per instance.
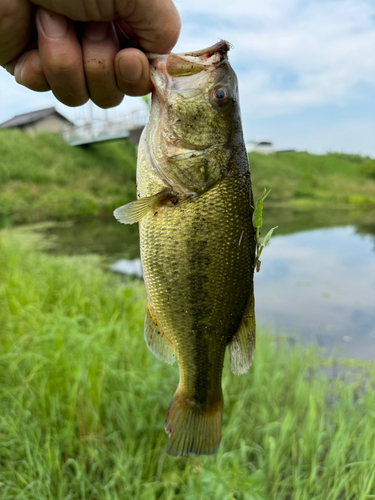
(194, 209)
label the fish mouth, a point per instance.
(190, 63)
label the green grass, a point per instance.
(303, 180)
(83, 402)
(43, 178)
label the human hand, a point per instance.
(76, 47)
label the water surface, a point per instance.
(320, 285)
(316, 283)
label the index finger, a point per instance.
(15, 17)
(156, 23)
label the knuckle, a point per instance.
(14, 29)
(108, 101)
(61, 66)
(97, 67)
(135, 89)
(96, 10)
(36, 84)
(10, 13)
(66, 78)
(33, 74)
(72, 100)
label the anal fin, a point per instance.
(242, 346)
(156, 340)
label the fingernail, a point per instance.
(54, 25)
(96, 32)
(130, 68)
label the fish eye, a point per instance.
(220, 95)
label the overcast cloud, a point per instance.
(306, 69)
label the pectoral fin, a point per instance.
(156, 340)
(242, 346)
(136, 210)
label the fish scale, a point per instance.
(200, 300)
(197, 239)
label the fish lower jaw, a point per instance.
(190, 151)
(185, 153)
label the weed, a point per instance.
(83, 401)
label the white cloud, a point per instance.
(329, 46)
(310, 291)
(291, 57)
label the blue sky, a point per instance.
(306, 70)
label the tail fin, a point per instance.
(192, 427)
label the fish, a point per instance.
(194, 208)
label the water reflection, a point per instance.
(317, 279)
(320, 285)
(105, 237)
(130, 267)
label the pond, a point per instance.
(316, 282)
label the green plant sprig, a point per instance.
(257, 223)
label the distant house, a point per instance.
(38, 121)
(264, 147)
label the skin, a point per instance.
(40, 47)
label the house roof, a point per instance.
(32, 117)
